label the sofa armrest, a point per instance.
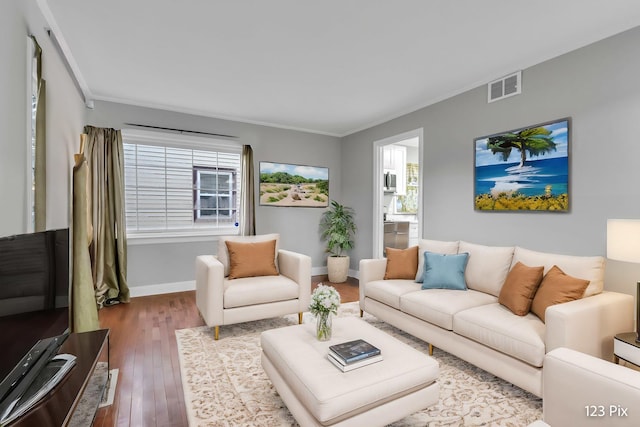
(589, 324)
(210, 289)
(576, 384)
(370, 270)
(297, 267)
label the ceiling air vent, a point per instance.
(505, 87)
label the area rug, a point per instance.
(85, 412)
(224, 384)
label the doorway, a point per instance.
(401, 156)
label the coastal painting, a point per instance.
(283, 184)
(525, 169)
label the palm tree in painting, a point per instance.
(535, 141)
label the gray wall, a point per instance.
(597, 86)
(150, 264)
(65, 117)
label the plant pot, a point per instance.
(338, 268)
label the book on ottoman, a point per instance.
(354, 365)
(353, 351)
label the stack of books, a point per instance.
(353, 354)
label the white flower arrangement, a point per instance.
(324, 300)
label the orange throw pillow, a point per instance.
(556, 288)
(520, 287)
(251, 259)
(401, 263)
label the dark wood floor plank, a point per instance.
(143, 347)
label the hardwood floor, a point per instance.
(143, 347)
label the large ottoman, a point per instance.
(319, 394)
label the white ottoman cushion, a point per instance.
(331, 395)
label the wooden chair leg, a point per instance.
(430, 349)
(216, 332)
(300, 318)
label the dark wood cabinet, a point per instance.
(58, 406)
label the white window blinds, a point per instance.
(175, 183)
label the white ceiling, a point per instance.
(330, 66)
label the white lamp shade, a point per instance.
(623, 240)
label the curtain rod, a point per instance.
(181, 130)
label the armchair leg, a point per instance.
(430, 349)
(361, 313)
(300, 318)
(216, 332)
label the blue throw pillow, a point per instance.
(444, 271)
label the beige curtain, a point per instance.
(84, 309)
(247, 194)
(105, 159)
(40, 164)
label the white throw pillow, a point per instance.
(488, 266)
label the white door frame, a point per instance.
(378, 184)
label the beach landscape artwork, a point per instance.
(283, 184)
(525, 169)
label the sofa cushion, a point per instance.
(438, 306)
(520, 287)
(435, 246)
(488, 266)
(251, 259)
(444, 271)
(583, 267)
(259, 290)
(556, 288)
(401, 263)
(223, 253)
(497, 327)
(389, 291)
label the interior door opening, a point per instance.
(397, 219)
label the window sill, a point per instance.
(134, 239)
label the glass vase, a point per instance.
(323, 326)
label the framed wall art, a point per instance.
(283, 184)
(524, 169)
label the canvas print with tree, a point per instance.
(524, 169)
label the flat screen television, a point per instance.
(34, 292)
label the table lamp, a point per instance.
(623, 244)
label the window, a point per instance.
(178, 185)
(214, 194)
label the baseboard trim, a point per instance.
(319, 271)
(162, 288)
(190, 285)
(323, 271)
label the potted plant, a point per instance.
(338, 227)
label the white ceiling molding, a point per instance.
(58, 40)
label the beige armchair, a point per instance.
(579, 389)
(224, 301)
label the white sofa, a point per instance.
(472, 324)
(580, 390)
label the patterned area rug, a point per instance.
(224, 384)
